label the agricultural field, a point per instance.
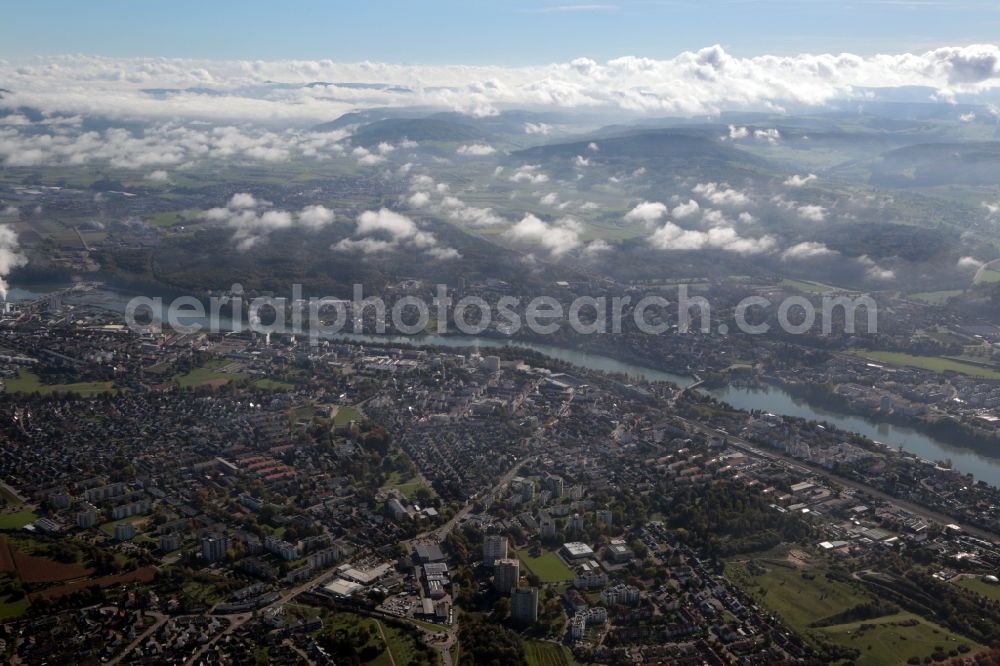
(541, 653)
(547, 567)
(143, 575)
(933, 363)
(41, 569)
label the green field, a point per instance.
(932, 363)
(407, 487)
(16, 519)
(799, 600)
(207, 375)
(801, 597)
(109, 527)
(273, 385)
(888, 640)
(402, 646)
(11, 609)
(547, 567)
(936, 297)
(806, 286)
(28, 382)
(8, 496)
(987, 275)
(345, 414)
(541, 653)
(981, 587)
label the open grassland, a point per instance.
(981, 587)
(799, 596)
(802, 595)
(894, 639)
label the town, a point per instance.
(202, 498)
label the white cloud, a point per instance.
(970, 262)
(444, 253)
(736, 133)
(685, 209)
(550, 199)
(593, 147)
(558, 238)
(385, 230)
(245, 200)
(367, 158)
(967, 117)
(537, 128)
(647, 212)
(769, 135)
(720, 194)
(161, 144)
(316, 216)
(691, 83)
(418, 200)
(713, 217)
(581, 161)
(807, 250)
(253, 220)
(529, 173)
(477, 217)
(252, 227)
(799, 181)
(812, 213)
(10, 257)
(158, 176)
(475, 149)
(672, 237)
(992, 208)
(875, 272)
(384, 220)
(595, 247)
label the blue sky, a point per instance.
(513, 32)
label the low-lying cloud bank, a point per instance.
(691, 83)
